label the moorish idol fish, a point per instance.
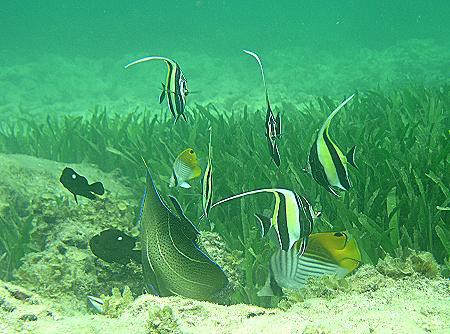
(326, 162)
(287, 218)
(171, 257)
(273, 124)
(207, 182)
(328, 253)
(175, 89)
(78, 185)
(185, 168)
(113, 245)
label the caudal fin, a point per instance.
(351, 157)
(97, 188)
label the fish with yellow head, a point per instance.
(327, 253)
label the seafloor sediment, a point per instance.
(47, 294)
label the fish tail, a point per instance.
(97, 188)
(351, 157)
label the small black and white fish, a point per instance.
(175, 89)
(273, 124)
(113, 245)
(78, 185)
(207, 183)
(326, 162)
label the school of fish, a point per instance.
(171, 260)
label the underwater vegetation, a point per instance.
(400, 196)
(15, 235)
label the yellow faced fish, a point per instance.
(185, 168)
(328, 253)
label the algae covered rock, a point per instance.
(56, 260)
(416, 263)
(162, 321)
(19, 308)
(114, 305)
(229, 261)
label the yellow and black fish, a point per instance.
(273, 124)
(326, 162)
(207, 183)
(175, 89)
(328, 253)
(292, 217)
(185, 168)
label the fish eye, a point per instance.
(338, 234)
(119, 238)
(74, 176)
(191, 151)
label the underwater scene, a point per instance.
(213, 166)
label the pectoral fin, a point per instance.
(265, 222)
(184, 185)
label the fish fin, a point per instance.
(265, 222)
(184, 185)
(351, 157)
(173, 180)
(335, 111)
(136, 256)
(276, 155)
(141, 209)
(163, 94)
(278, 125)
(266, 290)
(332, 191)
(97, 188)
(189, 229)
(76, 199)
(96, 303)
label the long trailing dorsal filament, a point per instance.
(254, 55)
(142, 60)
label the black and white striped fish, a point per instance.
(287, 218)
(207, 183)
(326, 162)
(273, 124)
(328, 253)
(175, 89)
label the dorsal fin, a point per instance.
(188, 228)
(254, 55)
(335, 111)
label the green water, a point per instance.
(63, 59)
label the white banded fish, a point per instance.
(326, 162)
(327, 253)
(207, 183)
(175, 89)
(273, 124)
(185, 168)
(287, 218)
